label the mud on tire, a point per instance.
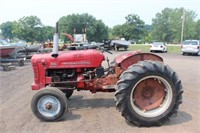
(148, 93)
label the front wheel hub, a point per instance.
(48, 105)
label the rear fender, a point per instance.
(125, 63)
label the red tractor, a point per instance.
(147, 92)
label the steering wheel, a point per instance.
(103, 49)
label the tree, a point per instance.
(45, 33)
(83, 23)
(133, 28)
(161, 24)
(6, 30)
(197, 30)
(98, 31)
(136, 25)
(147, 34)
(110, 34)
(27, 28)
(189, 28)
(117, 31)
(167, 25)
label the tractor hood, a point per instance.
(70, 59)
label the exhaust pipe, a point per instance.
(55, 42)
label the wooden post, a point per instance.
(183, 21)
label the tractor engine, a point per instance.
(59, 75)
(69, 69)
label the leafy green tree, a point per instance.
(167, 25)
(197, 30)
(162, 30)
(83, 23)
(98, 31)
(132, 29)
(45, 33)
(147, 34)
(6, 30)
(117, 31)
(110, 34)
(189, 28)
(137, 26)
(27, 28)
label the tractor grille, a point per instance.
(36, 73)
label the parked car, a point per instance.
(158, 46)
(191, 47)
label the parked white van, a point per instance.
(190, 47)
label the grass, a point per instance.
(145, 48)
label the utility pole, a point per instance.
(183, 21)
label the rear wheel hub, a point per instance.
(149, 94)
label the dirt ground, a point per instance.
(95, 113)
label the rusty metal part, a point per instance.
(149, 94)
(111, 79)
(105, 84)
(139, 57)
(118, 71)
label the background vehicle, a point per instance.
(117, 44)
(190, 47)
(6, 49)
(77, 46)
(147, 91)
(158, 46)
(79, 42)
(106, 44)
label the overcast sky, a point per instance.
(111, 12)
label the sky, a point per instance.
(111, 12)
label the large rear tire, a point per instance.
(148, 93)
(49, 104)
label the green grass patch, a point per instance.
(146, 48)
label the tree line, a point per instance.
(166, 27)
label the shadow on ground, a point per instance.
(78, 102)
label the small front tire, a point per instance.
(49, 104)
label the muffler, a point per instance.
(55, 42)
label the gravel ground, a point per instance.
(95, 113)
